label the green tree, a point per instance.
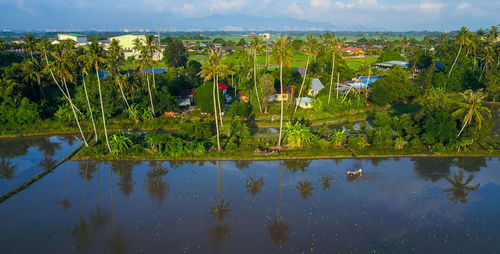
(145, 61)
(29, 43)
(114, 60)
(94, 59)
(472, 109)
(254, 47)
(460, 39)
(267, 90)
(394, 87)
(282, 55)
(298, 135)
(311, 49)
(175, 54)
(338, 137)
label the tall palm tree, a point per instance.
(460, 39)
(151, 46)
(404, 44)
(145, 62)
(255, 46)
(282, 55)
(29, 43)
(330, 42)
(90, 108)
(93, 60)
(64, 63)
(222, 72)
(311, 49)
(209, 71)
(472, 109)
(115, 59)
(34, 70)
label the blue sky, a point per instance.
(397, 15)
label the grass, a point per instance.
(356, 63)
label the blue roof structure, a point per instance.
(157, 70)
(364, 79)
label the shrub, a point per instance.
(400, 143)
(357, 143)
(338, 137)
(119, 143)
(240, 108)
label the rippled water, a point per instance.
(421, 205)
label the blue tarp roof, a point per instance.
(364, 79)
(157, 70)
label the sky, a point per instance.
(388, 15)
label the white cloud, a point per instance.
(188, 9)
(462, 6)
(294, 9)
(320, 4)
(430, 9)
(224, 5)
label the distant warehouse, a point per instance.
(78, 38)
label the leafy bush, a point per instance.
(64, 113)
(240, 108)
(204, 98)
(338, 137)
(196, 130)
(400, 143)
(357, 143)
(119, 143)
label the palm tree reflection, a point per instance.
(156, 185)
(460, 189)
(305, 188)
(124, 171)
(82, 233)
(65, 203)
(47, 163)
(7, 169)
(48, 148)
(279, 229)
(326, 180)
(220, 231)
(254, 184)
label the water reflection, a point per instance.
(155, 183)
(279, 230)
(432, 168)
(254, 184)
(65, 203)
(47, 147)
(47, 163)
(460, 189)
(220, 231)
(124, 171)
(7, 169)
(470, 164)
(326, 180)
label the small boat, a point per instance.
(358, 172)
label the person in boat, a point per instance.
(358, 172)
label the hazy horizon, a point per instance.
(246, 15)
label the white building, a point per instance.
(78, 38)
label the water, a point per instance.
(397, 206)
(23, 158)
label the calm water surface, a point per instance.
(417, 205)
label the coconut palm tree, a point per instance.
(209, 71)
(151, 46)
(460, 189)
(93, 60)
(331, 42)
(255, 46)
(89, 107)
(114, 60)
(64, 63)
(311, 49)
(472, 109)
(29, 43)
(460, 39)
(34, 70)
(145, 62)
(282, 55)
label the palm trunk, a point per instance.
(255, 79)
(123, 94)
(281, 89)
(215, 114)
(331, 79)
(218, 102)
(150, 96)
(337, 85)
(455, 62)
(154, 82)
(74, 113)
(302, 86)
(90, 108)
(102, 109)
(57, 83)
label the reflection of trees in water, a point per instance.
(296, 165)
(305, 188)
(47, 163)
(156, 185)
(48, 148)
(86, 169)
(70, 139)
(11, 148)
(242, 164)
(124, 171)
(82, 233)
(100, 219)
(65, 203)
(470, 164)
(7, 169)
(326, 181)
(220, 232)
(376, 161)
(430, 168)
(460, 189)
(117, 242)
(279, 230)
(254, 184)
